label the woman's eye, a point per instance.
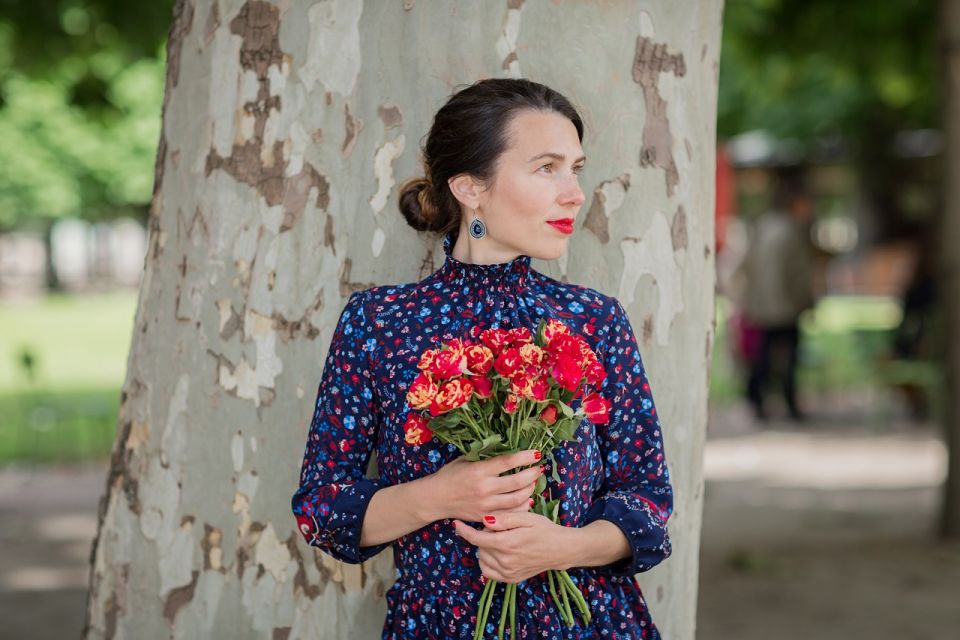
(546, 166)
(578, 169)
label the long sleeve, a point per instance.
(636, 493)
(334, 493)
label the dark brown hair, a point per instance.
(468, 135)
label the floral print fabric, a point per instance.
(616, 471)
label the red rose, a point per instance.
(539, 389)
(595, 374)
(508, 362)
(520, 336)
(421, 392)
(481, 386)
(479, 358)
(566, 371)
(426, 358)
(495, 339)
(549, 414)
(597, 408)
(452, 394)
(416, 429)
(448, 363)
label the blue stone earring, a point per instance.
(477, 228)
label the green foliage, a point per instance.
(81, 88)
(808, 68)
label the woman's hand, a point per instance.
(470, 490)
(516, 545)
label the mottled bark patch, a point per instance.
(258, 24)
(179, 28)
(607, 198)
(390, 115)
(647, 328)
(678, 230)
(300, 581)
(213, 22)
(650, 60)
(212, 552)
(197, 222)
(352, 127)
(179, 597)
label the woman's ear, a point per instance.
(465, 189)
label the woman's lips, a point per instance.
(564, 226)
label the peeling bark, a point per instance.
(650, 60)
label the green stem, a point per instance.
(566, 603)
(482, 607)
(577, 595)
(469, 418)
(556, 598)
(503, 611)
(513, 614)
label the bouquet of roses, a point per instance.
(505, 392)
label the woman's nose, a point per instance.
(573, 194)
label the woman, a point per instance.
(502, 160)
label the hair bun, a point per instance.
(417, 202)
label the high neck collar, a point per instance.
(501, 275)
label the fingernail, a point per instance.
(543, 468)
(490, 519)
(537, 455)
(531, 502)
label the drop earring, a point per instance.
(477, 228)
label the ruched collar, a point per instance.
(501, 275)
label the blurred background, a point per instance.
(826, 457)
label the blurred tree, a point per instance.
(811, 68)
(949, 41)
(81, 86)
(821, 71)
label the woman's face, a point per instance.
(536, 181)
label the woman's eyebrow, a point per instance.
(555, 156)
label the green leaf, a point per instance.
(541, 484)
(566, 427)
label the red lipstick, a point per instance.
(564, 225)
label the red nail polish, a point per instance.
(543, 468)
(490, 519)
(537, 455)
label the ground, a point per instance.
(819, 531)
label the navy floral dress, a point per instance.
(615, 472)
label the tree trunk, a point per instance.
(950, 97)
(286, 128)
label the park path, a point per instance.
(818, 531)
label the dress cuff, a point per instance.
(645, 530)
(344, 526)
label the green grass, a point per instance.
(68, 409)
(77, 341)
(58, 425)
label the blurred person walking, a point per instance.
(779, 269)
